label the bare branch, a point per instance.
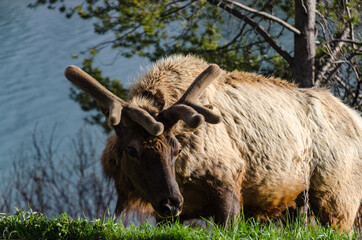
(266, 15)
(237, 36)
(101, 45)
(339, 64)
(332, 55)
(257, 28)
(342, 40)
(350, 22)
(50, 187)
(172, 11)
(230, 43)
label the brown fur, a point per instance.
(275, 141)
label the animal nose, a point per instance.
(171, 206)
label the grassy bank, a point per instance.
(28, 225)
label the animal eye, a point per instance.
(180, 149)
(131, 151)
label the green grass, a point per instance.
(30, 225)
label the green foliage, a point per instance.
(335, 12)
(31, 225)
(155, 29)
(87, 103)
(281, 67)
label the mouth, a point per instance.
(163, 216)
(168, 209)
(169, 205)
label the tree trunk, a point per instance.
(304, 44)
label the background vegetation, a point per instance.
(52, 182)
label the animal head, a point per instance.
(146, 143)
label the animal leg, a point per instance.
(336, 208)
(227, 206)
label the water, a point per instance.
(35, 47)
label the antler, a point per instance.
(111, 103)
(185, 109)
(196, 88)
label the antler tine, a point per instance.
(103, 96)
(111, 102)
(185, 109)
(200, 83)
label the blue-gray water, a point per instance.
(35, 47)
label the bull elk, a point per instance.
(193, 140)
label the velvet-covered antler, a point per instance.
(186, 109)
(112, 104)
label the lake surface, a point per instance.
(35, 47)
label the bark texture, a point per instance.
(304, 44)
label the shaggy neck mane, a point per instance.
(256, 79)
(178, 72)
(166, 81)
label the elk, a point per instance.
(194, 140)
